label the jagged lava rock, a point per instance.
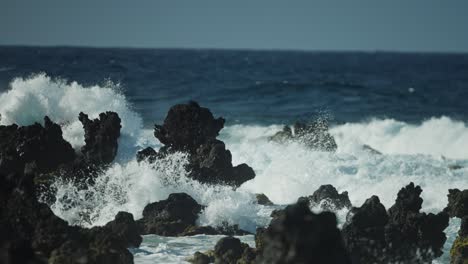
(459, 250)
(296, 235)
(101, 137)
(328, 198)
(170, 217)
(364, 232)
(262, 199)
(193, 129)
(43, 145)
(457, 203)
(231, 250)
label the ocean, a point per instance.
(411, 107)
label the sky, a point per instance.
(365, 25)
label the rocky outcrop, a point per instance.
(314, 135)
(296, 235)
(262, 199)
(327, 198)
(45, 238)
(42, 145)
(459, 250)
(101, 137)
(228, 250)
(457, 203)
(192, 129)
(403, 235)
(458, 207)
(170, 217)
(177, 216)
(364, 232)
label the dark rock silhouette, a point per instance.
(262, 199)
(193, 129)
(404, 235)
(170, 217)
(457, 203)
(177, 216)
(296, 235)
(147, 154)
(30, 225)
(101, 137)
(328, 198)
(43, 145)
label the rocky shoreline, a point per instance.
(31, 157)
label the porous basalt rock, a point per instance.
(403, 235)
(296, 235)
(176, 216)
(314, 135)
(43, 145)
(457, 203)
(101, 137)
(328, 198)
(459, 250)
(170, 217)
(192, 129)
(262, 199)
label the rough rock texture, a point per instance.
(296, 235)
(231, 250)
(43, 145)
(459, 251)
(193, 129)
(31, 233)
(328, 198)
(176, 216)
(458, 207)
(364, 232)
(262, 199)
(101, 137)
(170, 217)
(457, 203)
(314, 135)
(404, 235)
(148, 154)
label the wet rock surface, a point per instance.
(327, 198)
(262, 199)
(402, 234)
(177, 216)
(458, 207)
(193, 129)
(101, 137)
(314, 135)
(43, 145)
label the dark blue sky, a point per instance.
(396, 25)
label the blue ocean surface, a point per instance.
(410, 107)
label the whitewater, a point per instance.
(424, 153)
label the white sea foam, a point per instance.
(419, 153)
(29, 100)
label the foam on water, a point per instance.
(29, 100)
(419, 153)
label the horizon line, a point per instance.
(236, 49)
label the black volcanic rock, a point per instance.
(31, 227)
(193, 129)
(459, 250)
(457, 203)
(364, 232)
(148, 154)
(101, 137)
(43, 145)
(231, 250)
(328, 198)
(262, 199)
(314, 135)
(296, 235)
(187, 126)
(403, 235)
(170, 217)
